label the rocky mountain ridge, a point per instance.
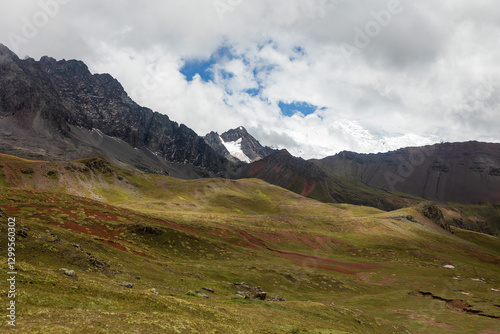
(238, 145)
(72, 112)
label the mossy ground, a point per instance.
(359, 271)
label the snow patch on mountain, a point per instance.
(234, 148)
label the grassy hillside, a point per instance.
(324, 268)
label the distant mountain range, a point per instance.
(58, 110)
(451, 172)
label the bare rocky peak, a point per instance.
(48, 99)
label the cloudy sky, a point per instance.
(313, 76)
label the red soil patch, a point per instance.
(270, 237)
(251, 239)
(328, 264)
(297, 238)
(96, 230)
(309, 187)
(115, 245)
(129, 214)
(483, 256)
(322, 241)
(305, 238)
(458, 304)
(221, 232)
(488, 331)
(78, 228)
(304, 259)
(256, 168)
(10, 209)
(121, 247)
(288, 237)
(138, 253)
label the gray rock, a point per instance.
(27, 171)
(260, 295)
(70, 273)
(239, 283)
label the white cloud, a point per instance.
(432, 74)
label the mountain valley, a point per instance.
(128, 222)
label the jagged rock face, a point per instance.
(213, 139)
(450, 172)
(48, 98)
(250, 147)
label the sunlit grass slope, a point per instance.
(324, 268)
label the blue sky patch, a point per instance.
(253, 91)
(289, 109)
(204, 67)
(300, 50)
(195, 66)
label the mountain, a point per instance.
(75, 114)
(108, 243)
(295, 174)
(237, 145)
(465, 173)
(148, 253)
(308, 179)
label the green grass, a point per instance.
(177, 236)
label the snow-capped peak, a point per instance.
(234, 148)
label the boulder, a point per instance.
(260, 295)
(70, 273)
(432, 212)
(204, 295)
